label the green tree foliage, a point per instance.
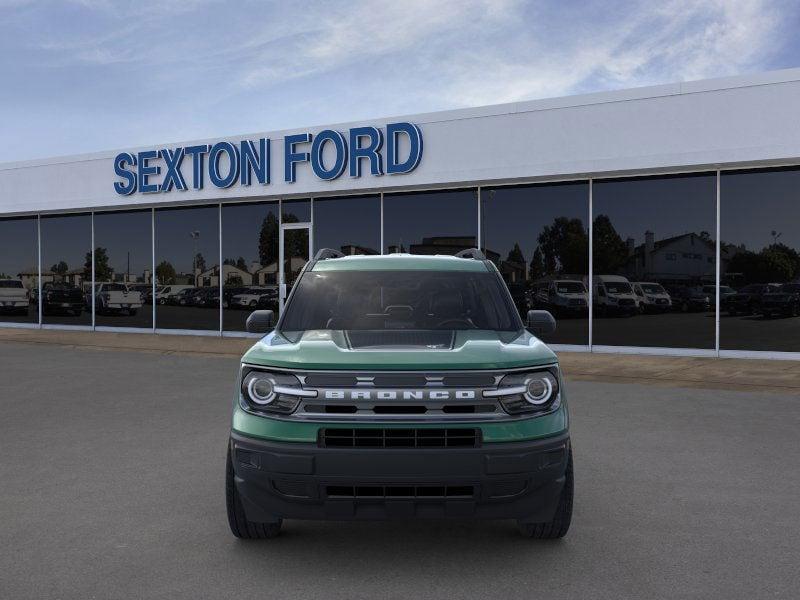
(235, 281)
(776, 263)
(59, 268)
(165, 273)
(241, 263)
(610, 252)
(515, 255)
(200, 262)
(564, 246)
(102, 270)
(268, 240)
(536, 269)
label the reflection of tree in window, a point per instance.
(610, 252)
(165, 273)
(268, 240)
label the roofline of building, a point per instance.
(545, 104)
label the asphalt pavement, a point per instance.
(111, 486)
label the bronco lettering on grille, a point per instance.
(399, 395)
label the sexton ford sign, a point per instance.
(225, 164)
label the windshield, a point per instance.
(392, 300)
(10, 283)
(616, 287)
(790, 288)
(570, 287)
(652, 288)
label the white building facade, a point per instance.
(689, 184)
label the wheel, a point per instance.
(253, 303)
(240, 526)
(558, 527)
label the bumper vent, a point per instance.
(399, 438)
(400, 491)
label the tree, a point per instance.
(234, 281)
(537, 270)
(229, 261)
(610, 253)
(102, 271)
(515, 255)
(165, 273)
(199, 262)
(775, 263)
(268, 240)
(564, 246)
(59, 268)
(241, 263)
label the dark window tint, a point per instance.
(123, 269)
(249, 261)
(19, 270)
(430, 222)
(296, 211)
(67, 269)
(760, 233)
(187, 257)
(351, 225)
(388, 301)
(654, 231)
(539, 239)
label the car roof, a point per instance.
(400, 262)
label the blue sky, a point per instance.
(87, 75)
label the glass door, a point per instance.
(295, 250)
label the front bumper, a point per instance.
(516, 480)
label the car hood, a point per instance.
(777, 297)
(326, 349)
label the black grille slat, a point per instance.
(400, 338)
(399, 438)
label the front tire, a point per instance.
(240, 526)
(559, 525)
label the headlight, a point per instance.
(532, 391)
(271, 392)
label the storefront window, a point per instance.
(538, 237)
(296, 211)
(19, 270)
(67, 269)
(187, 268)
(443, 222)
(123, 265)
(351, 225)
(654, 260)
(249, 261)
(760, 260)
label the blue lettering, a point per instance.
(213, 164)
(173, 176)
(254, 162)
(122, 159)
(393, 132)
(197, 153)
(370, 151)
(146, 170)
(317, 149)
(291, 157)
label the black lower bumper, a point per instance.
(519, 480)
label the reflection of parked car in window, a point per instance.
(183, 297)
(164, 295)
(145, 290)
(783, 301)
(251, 297)
(61, 297)
(114, 298)
(207, 297)
(563, 297)
(651, 297)
(228, 292)
(14, 298)
(614, 295)
(689, 299)
(725, 293)
(748, 299)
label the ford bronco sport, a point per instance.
(399, 386)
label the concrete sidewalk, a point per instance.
(691, 372)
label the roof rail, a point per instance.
(471, 253)
(324, 253)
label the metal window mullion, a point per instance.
(591, 264)
(381, 252)
(480, 224)
(311, 232)
(39, 266)
(220, 267)
(717, 266)
(153, 264)
(93, 275)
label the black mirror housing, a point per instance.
(541, 322)
(260, 321)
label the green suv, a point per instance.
(399, 386)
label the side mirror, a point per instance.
(260, 321)
(541, 322)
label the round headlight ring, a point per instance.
(538, 390)
(261, 390)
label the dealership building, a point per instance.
(660, 220)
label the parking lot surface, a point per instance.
(112, 487)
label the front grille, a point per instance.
(399, 438)
(400, 491)
(626, 302)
